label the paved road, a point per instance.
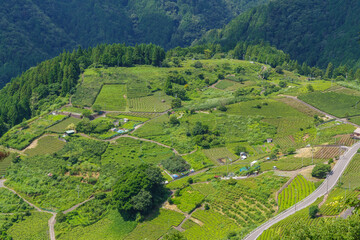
(327, 185)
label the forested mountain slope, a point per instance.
(35, 30)
(316, 32)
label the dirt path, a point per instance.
(52, 220)
(77, 205)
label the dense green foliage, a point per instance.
(310, 31)
(33, 31)
(320, 170)
(175, 164)
(138, 190)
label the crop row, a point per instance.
(298, 189)
(328, 152)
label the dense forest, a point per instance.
(32, 31)
(311, 31)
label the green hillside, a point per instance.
(316, 32)
(32, 31)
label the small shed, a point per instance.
(269, 140)
(253, 163)
(356, 134)
(126, 120)
(70, 132)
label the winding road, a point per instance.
(323, 189)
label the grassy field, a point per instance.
(33, 227)
(298, 189)
(337, 104)
(61, 127)
(112, 98)
(74, 110)
(289, 163)
(46, 145)
(159, 102)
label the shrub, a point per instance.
(313, 210)
(198, 64)
(223, 108)
(175, 164)
(320, 170)
(174, 120)
(176, 103)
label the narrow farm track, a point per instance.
(52, 220)
(323, 189)
(320, 111)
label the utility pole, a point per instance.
(78, 190)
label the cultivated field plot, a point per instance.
(143, 115)
(46, 145)
(61, 127)
(328, 152)
(214, 226)
(220, 155)
(285, 142)
(298, 189)
(300, 106)
(246, 204)
(336, 201)
(74, 110)
(4, 164)
(289, 163)
(352, 174)
(112, 98)
(300, 216)
(344, 140)
(159, 102)
(33, 227)
(337, 104)
(11, 203)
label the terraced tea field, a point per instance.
(159, 102)
(4, 164)
(46, 145)
(298, 189)
(112, 98)
(344, 140)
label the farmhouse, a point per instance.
(356, 134)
